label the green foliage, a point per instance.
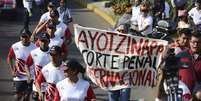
(119, 6)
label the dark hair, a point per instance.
(25, 31)
(54, 13)
(75, 65)
(55, 50)
(198, 1)
(51, 24)
(128, 5)
(184, 31)
(197, 35)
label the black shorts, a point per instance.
(23, 86)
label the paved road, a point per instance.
(9, 34)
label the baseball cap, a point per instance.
(44, 36)
(55, 50)
(25, 32)
(73, 64)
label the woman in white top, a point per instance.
(145, 21)
(183, 19)
(73, 88)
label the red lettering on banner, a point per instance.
(83, 35)
(124, 45)
(99, 42)
(160, 49)
(120, 44)
(92, 38)
(136, 47)
(112, 78)
(144, 78)
(145, 47)
(153, 46)
(111, 39)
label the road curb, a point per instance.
(101, 13)
(98, 11)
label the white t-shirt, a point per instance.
(135, 14)
(182, 24)
(61, 15)
(40, 59)
(143, 22)
(60, 30)
(167, 10)
(27, 4)
(45, 17)
(79, 90)
(52, 74)
(21, 54)
(56, 41)
(195, 15)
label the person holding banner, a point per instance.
(82, 91)
(122, 94)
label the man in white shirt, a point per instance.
(44, 18)
(17, 56)
(135, 12)
(51, 73)
(145, 21)
(36, 60)
(28, 6)
(195, 16)
(64, 13)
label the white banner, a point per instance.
(115, 60)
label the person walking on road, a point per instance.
(64, 13)
(51, 73)
(50, 29)
(44, 18)
(17, 57)
(37, 59)
(27, 12)
(82, 91)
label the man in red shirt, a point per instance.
(190, 62)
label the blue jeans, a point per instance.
(119, 95)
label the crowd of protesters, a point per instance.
(142, 18)
(38, 62)
(40, 57)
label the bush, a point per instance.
(119, 6)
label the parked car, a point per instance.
(8, 8)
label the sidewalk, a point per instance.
(99, 8)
